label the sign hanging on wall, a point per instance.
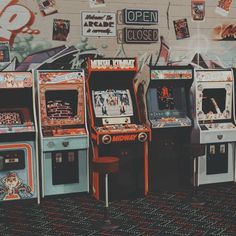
(98, 24)
(140, 17)
(140, 35)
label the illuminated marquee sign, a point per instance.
(112, 64)
(140, 35)
(140, 17)
(171, 74)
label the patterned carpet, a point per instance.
(164, 213)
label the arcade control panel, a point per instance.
(169, 122)
(122, 132)
(217, 126)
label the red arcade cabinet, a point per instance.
(116, 129)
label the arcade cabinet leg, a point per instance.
(195, 200)
(194, 151)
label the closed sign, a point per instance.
(135, 35)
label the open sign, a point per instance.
(140, 17)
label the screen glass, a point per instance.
(11, 118)
(112, 103)
(61, 104)
(166, 101)
(213, 100)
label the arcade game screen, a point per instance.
(61, 104)
(166, 101)
(213, 100)
(11, 118)
(112, 103)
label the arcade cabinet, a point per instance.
(167, 101)
(214, 125)
(116, 129)
(63, 132)
(18, 137)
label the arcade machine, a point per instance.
(167, 101)
(116, 129)
(18, 137)
(214, 125)
(63, 132)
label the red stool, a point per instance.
(106, 165)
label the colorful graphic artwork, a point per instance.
(15, 19)
(181, 29)
(13, 188)
(15, 80)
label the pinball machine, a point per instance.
(18, 137)
(168, 114)
(63, 132)
(214, 125)
(116, 129)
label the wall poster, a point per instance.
(223, 7)
(198, 10)
(181, 29)
(61, 29)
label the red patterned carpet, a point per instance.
(164, 213)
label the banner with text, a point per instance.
(98, 24)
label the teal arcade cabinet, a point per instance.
(63, 132)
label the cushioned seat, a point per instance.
(106, 165)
